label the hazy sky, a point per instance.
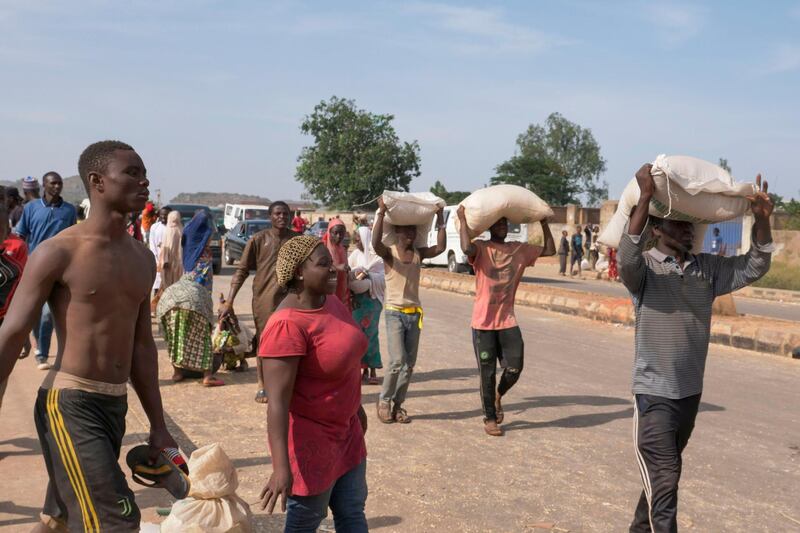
(211, 94)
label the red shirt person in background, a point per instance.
(298, 223)
(311, 350)
(13, 256)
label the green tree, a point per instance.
(451, 197)
(559, 160)
(355, 156)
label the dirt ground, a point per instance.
(565, 464)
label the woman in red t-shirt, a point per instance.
(312, 353)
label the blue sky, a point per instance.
(212, 94)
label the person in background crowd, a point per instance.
(149, 217)
(402, 309)
(42, 219)
(499, 266)
(673, 291)
(133, 227)
(577, 251)
(717, 243)
(368, 285)
(298, 223)
(563, 252)
(333, 240)
(156, 236)
(312, 351)
(15, 205)
(197, 258)
(13, 255)
(594, 251)
(186, 313)
(613, 275)
(170, 256)
(587, 239)
(260, 254)
(30, 188)
(98, 282)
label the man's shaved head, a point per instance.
(96, 158)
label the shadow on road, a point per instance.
(446, 374)
(30, 515)
(377, 522)
(30, 446)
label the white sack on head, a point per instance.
(486, 206)
(687, 189)
(212, 505)
(409, 209)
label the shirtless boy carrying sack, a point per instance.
(97, 280)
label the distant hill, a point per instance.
(74, 191)
(214, 199)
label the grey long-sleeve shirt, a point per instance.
(673, 310)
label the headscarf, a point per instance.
(171, 238)
(370, 262)
(195, 238)
(291, 255)
(338, 251)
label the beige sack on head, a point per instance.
(212, 505)
(409, 209)
(687, 189)
(517, 204)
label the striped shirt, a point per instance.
(673, 310)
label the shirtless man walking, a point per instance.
(261, 254)
(97, 281)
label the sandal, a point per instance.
(384, 412)
(169, 471)
(261, 396)
(401, 416)
(498, 409)
(491, 428)
(374, 380)
(213, 382)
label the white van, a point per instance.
(235, 213)
(453, 257)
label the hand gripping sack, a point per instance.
(688, 189)
(486, 206)
(409, 209)
(212, 505)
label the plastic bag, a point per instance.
(212, 505)
(409, 209)
(486, 206)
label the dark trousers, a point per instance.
(490, 346)
(661, 431)
(562, 263)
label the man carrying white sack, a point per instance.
(672, 292)
(499, 266)
(403, 311)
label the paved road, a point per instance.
(566, 458)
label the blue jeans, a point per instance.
(43, 331)
(346, 498)
(402, 336)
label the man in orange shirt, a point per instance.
(499, 266)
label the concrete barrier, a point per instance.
(779, 337)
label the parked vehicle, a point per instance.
(453, 257)
(317, 229)
(219, 219)
(236, 239)
(187, 211)
(235, 213)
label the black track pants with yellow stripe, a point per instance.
(81, 436)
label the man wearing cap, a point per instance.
(41, 219)
(30, 188)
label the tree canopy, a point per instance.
(559, 160)
(451, 197)
(355, 155)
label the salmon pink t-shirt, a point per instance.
(498, 270)
(325, 435)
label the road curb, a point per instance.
(776, 337)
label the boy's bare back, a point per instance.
(100, 295)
